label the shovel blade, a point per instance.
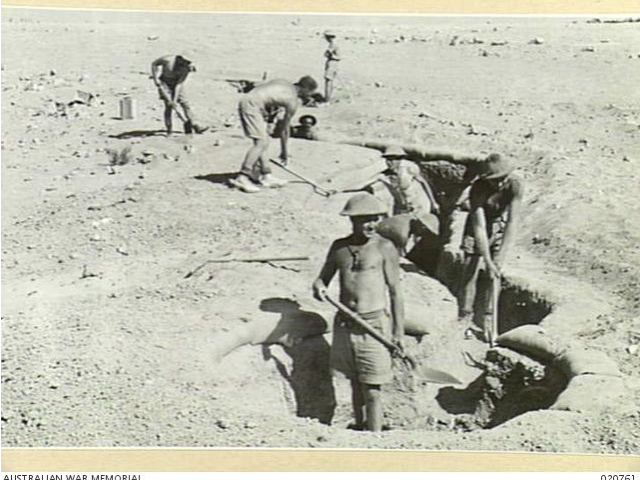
(433, 375)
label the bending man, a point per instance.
(258, 108)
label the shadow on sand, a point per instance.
(139, 134)
(310, 373)
(217, 178)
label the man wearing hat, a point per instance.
(169, 74)
(411, 199)
(369, 273)
(305, 128)
(256, 109)
(495, 202)
(332, 57)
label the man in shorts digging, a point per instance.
(368, 267)
(257, 109)
(495, 202)
(169, 74)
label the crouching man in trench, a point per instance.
(489, 232)
(413, 202)
(368, 267)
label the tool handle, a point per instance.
(258, 259)
(497, 284)
(171, 103)
(317, 187)
(393, 348)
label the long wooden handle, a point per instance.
(258, 259)
(304, 179)
(369, 329)
(171, 103)
(496, 295)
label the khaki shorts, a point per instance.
(358, 355)
(331, 70)
(253, 122)
(495, 232)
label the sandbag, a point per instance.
(531, 340)
(579, 361)
(397, 229)
(589, 393)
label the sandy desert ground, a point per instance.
(106, 343)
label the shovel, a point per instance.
(317, 188)
(422, 371)
(492, 333)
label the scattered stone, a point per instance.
(584, 142)
(378, 84)
(499, 43)
(536, 41)
(218, 143)
(633, 349)
(454, 41)
(86, 273)
(82, 98)
(122, 251)
(121, 157)
(588, 49)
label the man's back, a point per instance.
(275, 93)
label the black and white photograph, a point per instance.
(320, 231)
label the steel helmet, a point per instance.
(496, 166)
(363, 204)
(394, 151)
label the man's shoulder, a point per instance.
(341, 243)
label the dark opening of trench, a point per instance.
(511, 384)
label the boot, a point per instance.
(243, 183)
(188, 127)
(270, 181)
(199, 128)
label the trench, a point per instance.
(507, 384)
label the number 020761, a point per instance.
(618, 477)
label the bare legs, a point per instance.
(328, 89)
(367, 405)
(467, 286)
(254, 155)
(467, 292)
(168, 121)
